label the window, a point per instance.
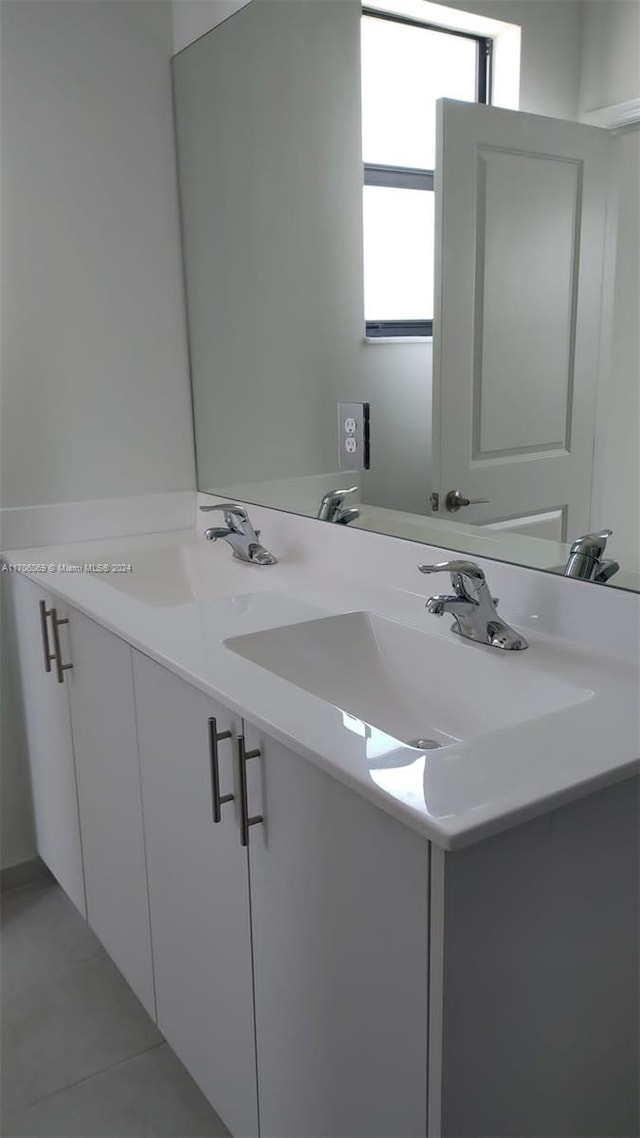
(406, 66)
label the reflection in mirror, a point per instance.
(515, 430)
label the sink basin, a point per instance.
(182, 574)
(410, 684)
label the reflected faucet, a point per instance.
(331, 507)
(239, 533)
(472, 606)
(585, 558)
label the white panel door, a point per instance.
(339, 900)
(198, 892)
(520, 224)
(105, 742)
(48, 727)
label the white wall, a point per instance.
(611, 53)
(95, 388)
(616, 477)
(95, 396)
(194, 18)
(270, 191)
(611, 75)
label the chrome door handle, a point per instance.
(48, 654)
(455, 500)
(217, 799)
(245, 820)
(61, 668)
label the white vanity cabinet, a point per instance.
(103, 719)
(81, 730)
(334, 894)
(339, 906)
(198, 890)
(294, 965)
(48, 728)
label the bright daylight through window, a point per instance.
(406, 67)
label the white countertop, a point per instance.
(453, 796)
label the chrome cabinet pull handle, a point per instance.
(48, 654)
(217, 799)
(245, 820)
(60, 667)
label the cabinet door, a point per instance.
(48, 728)
(106, 752)
(339, 901)
(198, 891)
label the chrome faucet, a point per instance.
(331, 507)
(240, 534)
(585, 558)
(472, 606)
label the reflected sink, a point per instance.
(410, 684)
(623, 579)
(182, 574)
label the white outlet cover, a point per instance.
(353, 436)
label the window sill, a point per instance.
(397, 340)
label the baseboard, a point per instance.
(31, 872)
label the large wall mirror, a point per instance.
(467, 271)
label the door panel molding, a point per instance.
(520, 222)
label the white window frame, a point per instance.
(499, 86)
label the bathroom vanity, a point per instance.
(341, 932)
(370, 880)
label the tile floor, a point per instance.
(80, 1056)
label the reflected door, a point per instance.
(520, 225)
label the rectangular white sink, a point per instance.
(183, 574)
(410, 684)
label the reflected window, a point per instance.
(406, 67)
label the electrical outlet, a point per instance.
(353, 435)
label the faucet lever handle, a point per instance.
(465, 568)
(332, 502)
(592, 544)
(467, 578)
(230, 510)
(338, 494)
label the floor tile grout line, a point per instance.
(87, 1078)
